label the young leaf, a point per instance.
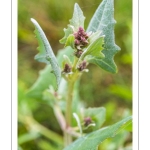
(78, 122)
(95, 36)
(45, 51)
(92, 140)
(97, 115)
(67, 31)
(68, 52)
(70, 41)
(103, 20)
(95, 48)
(76, 22)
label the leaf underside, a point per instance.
(46, 54)
(103, 20)
(92, 140)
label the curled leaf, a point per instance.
(46, 54)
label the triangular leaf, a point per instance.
(92, 140)
(103, 20)
(45, 52)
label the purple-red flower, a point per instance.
(80, 38)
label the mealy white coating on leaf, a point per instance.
(103, 20)
(78, 17)
(48, 55)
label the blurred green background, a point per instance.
(97, 88)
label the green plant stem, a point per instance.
(74, 64)
(69, 103)
(68, 115)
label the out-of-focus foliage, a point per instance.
(97, 88)
(93, 139)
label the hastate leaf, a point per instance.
(103, 20)
(92, 140)
(76, 22)
(46, 54)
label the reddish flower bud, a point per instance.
(78, 53)
(82, 66)
(81, 37)
(77, 42)
(81, 29)
(87, 121)
(67, 68)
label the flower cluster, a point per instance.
(78, 53)
(80, 38)
(80, 42)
